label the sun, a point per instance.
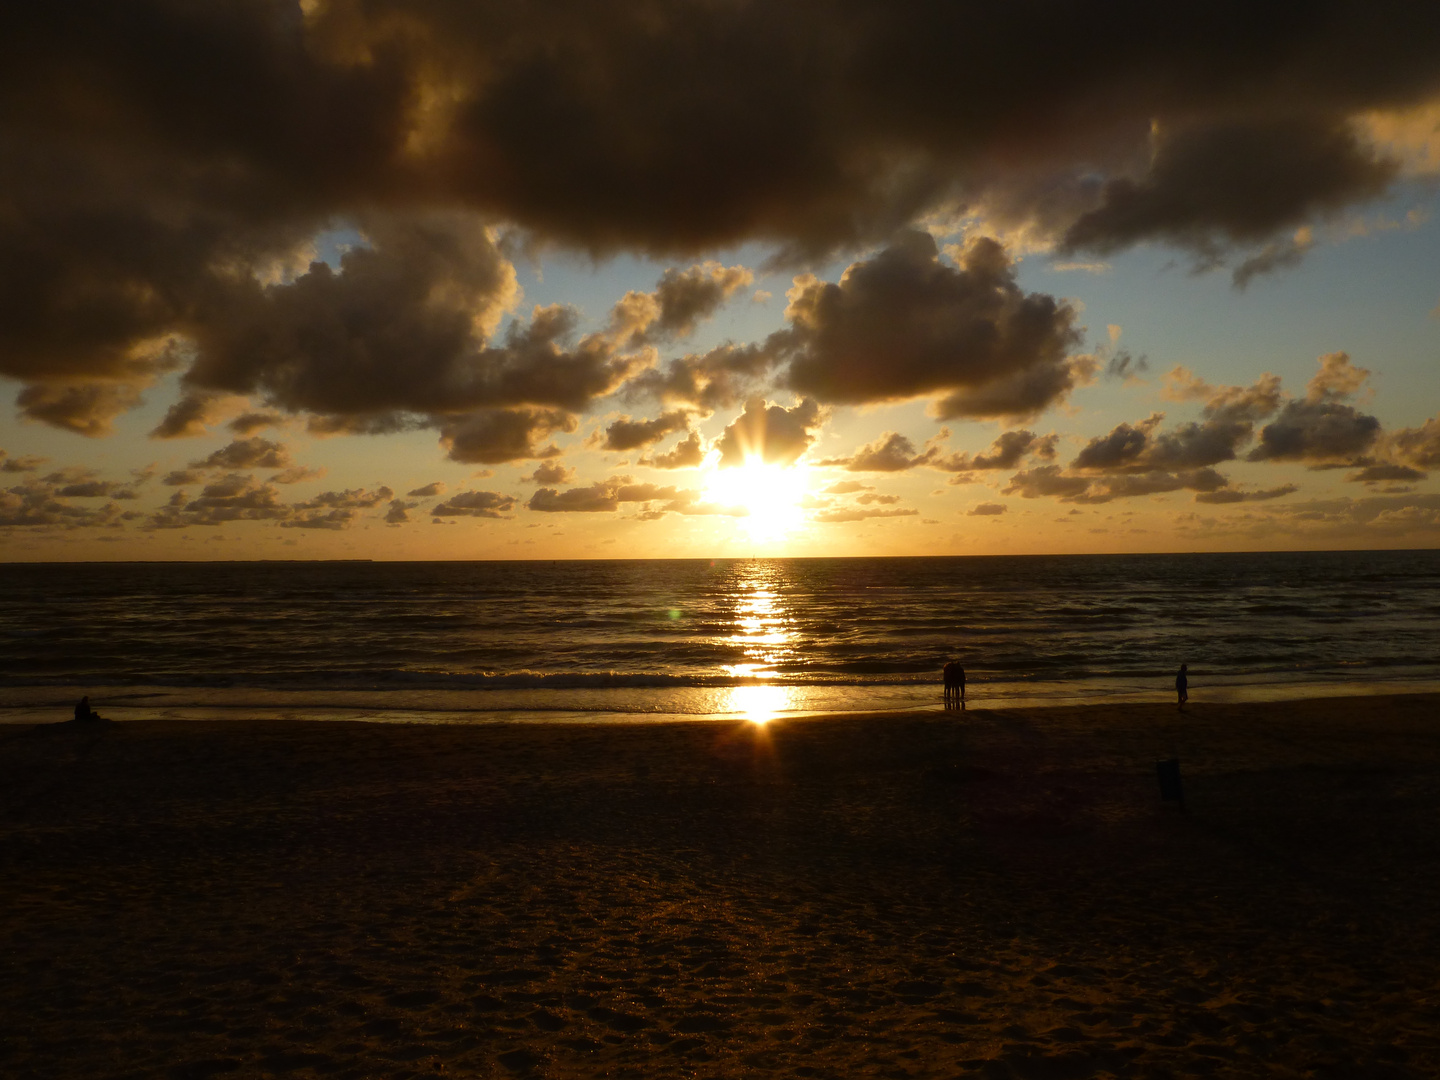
(771, 493)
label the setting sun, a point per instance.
(771, 493)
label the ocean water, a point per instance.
(650, 639)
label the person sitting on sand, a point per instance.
(1182, 685)
(84, 712)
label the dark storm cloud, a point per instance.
(166, 165)
(627, 434)
(774, 434)
(502, 435)
(903, 324)
(1210, 185)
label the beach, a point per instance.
(990, 892)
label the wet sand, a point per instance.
(997, 893)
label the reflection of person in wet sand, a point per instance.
(1182, 685)
(954, 684)
(84, 712)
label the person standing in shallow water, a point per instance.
(1182, 685)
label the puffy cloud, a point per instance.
(774, 434)
(297, 474)
(84, 408)
(627, 434)
(1050, 481)
(193, 414)
(247, 423)
(230, 498)
(680, 301)
(717, 379)
(502, 435)
(486, 504)
(687, 453)
(598, 498)
(1226, 403)
(845, 487)
(1141, 448)
(891, 452)
(428, 491)
(1419, 447)
(252, 453)
(550, 472)
(1320, 428)
(903, 324)
(399, 512)
(985, 510)
(39, 504)
(1006, 452)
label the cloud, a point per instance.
(598, 498)
(1006, 452)
(194, 414)
(24, 463)
(1419, 447)
(845, 487)
(1320, 428)
(230, 498)
(550, 472)
(687, 453)
(252, 453)
(705, 382)
(1213, 184)
(1049, 481)
(297, 474)
(502, 435)
(1232, 495)
(169, 168)
(1385, 473)
(486, 504)
(905, 325)
(680, 301)
(625, 434)
(891, 452)
(772, 433)
(836, 517)
(428, 491)
(985, 510)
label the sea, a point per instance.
(659, 639)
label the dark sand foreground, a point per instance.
(996, 893)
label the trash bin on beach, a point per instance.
(1168, 772)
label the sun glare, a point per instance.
(771, 494)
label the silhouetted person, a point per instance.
(1182, 685)
(954, 684)
(84, 712)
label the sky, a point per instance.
(429, 279)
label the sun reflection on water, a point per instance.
(763, 634)
(760, 704)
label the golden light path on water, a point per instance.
(763, 632)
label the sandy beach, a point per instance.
(998, 893)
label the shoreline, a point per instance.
(1000, 892)
(764, 704)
